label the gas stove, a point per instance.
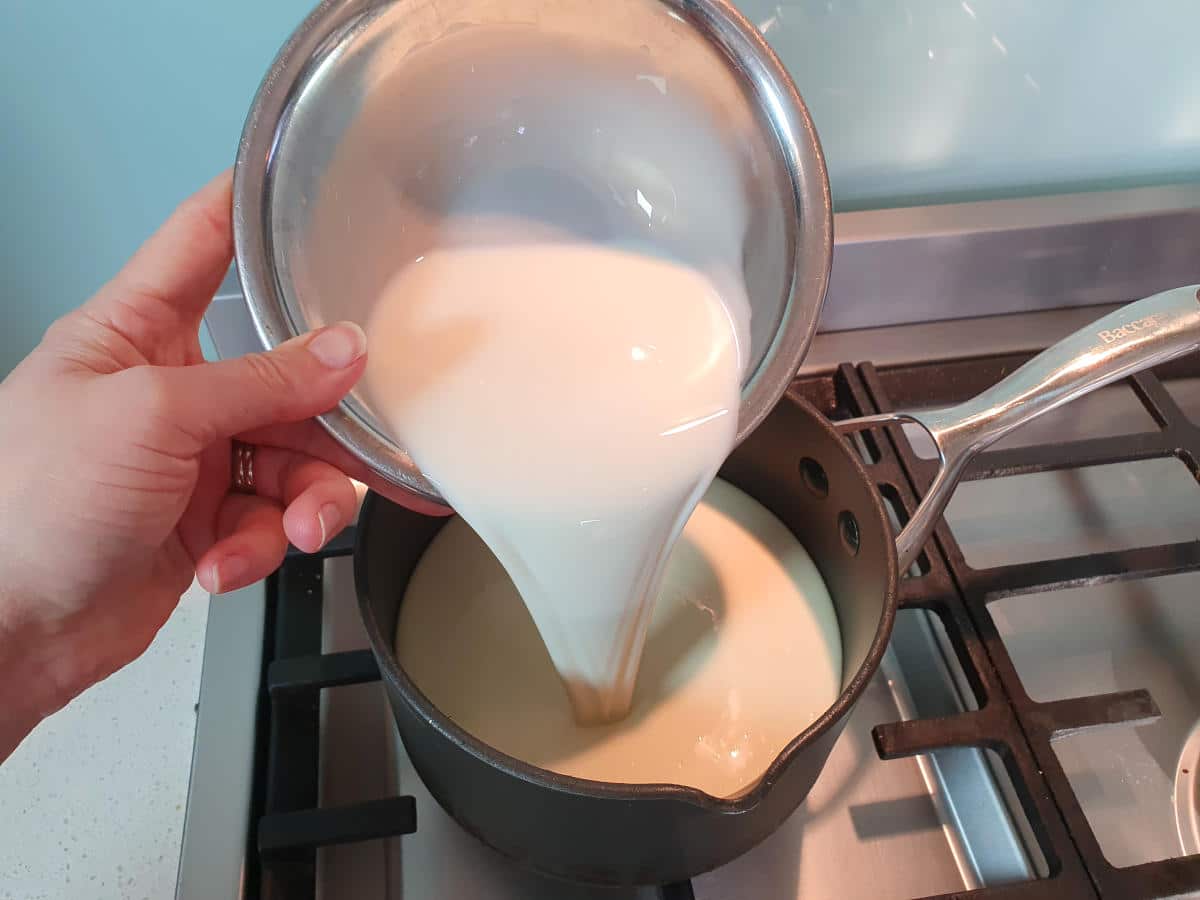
(1035, 729)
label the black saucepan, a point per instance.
(797, 464)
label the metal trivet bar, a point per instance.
(281, 862)
(1008, 721)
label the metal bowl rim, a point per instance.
(751, 58)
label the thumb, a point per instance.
(299, 379)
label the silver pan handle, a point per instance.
(1135, 337)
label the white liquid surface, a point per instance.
(743, 654)
(572, 402)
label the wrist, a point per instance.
(26, 695)
(47, 661)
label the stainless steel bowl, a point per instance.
(373, 114)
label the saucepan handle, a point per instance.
(1135, 337)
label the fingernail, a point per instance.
(228, 572)
(339, 346)
(329, 517)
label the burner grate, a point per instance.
(1009, 721)
(281, 858)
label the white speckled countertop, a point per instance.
(92, 803)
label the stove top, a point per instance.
(1033, 732)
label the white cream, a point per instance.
(743, 654)
(548, 252)
(572, 402)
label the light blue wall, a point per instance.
(925, 100)
(113, 110)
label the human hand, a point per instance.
(115, 440)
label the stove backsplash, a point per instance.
(921, 101)
(916, 101)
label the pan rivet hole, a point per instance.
(848, 527)
(814, 476)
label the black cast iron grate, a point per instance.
(1008, 721)
(289, 826)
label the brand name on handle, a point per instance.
(1108, 335)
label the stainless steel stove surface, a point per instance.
(1054, 616)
